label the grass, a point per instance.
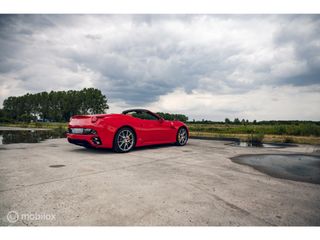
(299, 129)
(50, 125)
(302, 133)
(268, 138)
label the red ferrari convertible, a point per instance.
(122, 132)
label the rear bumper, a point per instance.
(85, 140)
(79, 142)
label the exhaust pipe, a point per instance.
(96, 140)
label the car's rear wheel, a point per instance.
(124, 140)
(182, 136)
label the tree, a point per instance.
(236, 121)
(4, 116)
(56, 105)
(169, 116)
(227, 120)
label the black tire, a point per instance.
(182, 136)
(124, 140)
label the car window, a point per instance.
(143, 115)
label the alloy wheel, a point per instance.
(182, 136)
(125, 140)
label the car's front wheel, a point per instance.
(124, 140)
(182, 136)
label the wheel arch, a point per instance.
(177, 139)
(125, 126)
(185, 127)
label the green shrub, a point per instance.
(288, 140)
(255, 139)
(5, 120)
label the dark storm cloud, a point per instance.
(305, 42)
(138, 58)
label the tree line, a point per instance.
(237, 121)
(59, 106)
(170, 116)
(55, 106)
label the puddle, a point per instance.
(264, 145)
(57, 166)
(29, 136)
(296, 167)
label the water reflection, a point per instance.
(265, 145)
(29, 136)
(297, 167)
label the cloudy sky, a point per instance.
(205, 66)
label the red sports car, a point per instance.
(122, 132)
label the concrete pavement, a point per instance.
(194, 185)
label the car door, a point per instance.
(148, 127)
(154, 130)
(167, 131)
(151, 131)
(159, 131)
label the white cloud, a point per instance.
(266, 103)
(216, 61)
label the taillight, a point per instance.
(89, 131)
